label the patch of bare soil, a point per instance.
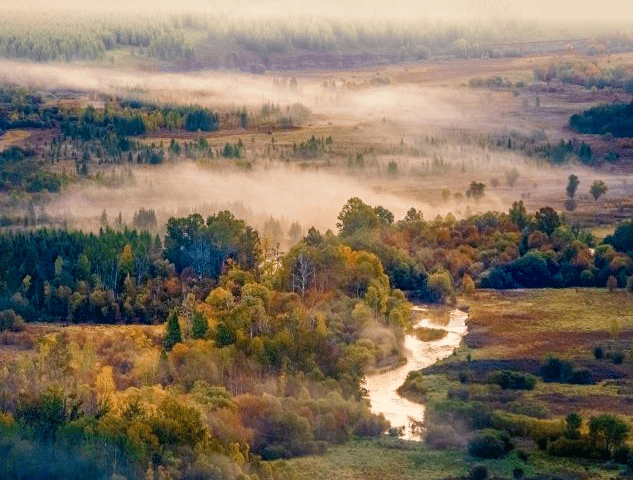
(13, 137)
(560, 404)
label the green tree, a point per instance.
(441, 286)
(598, 188)
(199, 326)
(476, 190)
(547, 220)
(356, 215)
(607, 432)
(622, 238)
(518, 215)
(573, 423)
(385, 217)
(412, 215)
(173, 334)
(572, 185)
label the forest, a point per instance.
(257, 361)
(252, 327)
(616, 120)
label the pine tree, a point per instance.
(199, 326)
(173, 335)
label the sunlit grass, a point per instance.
(379, 460)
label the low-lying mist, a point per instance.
(386, 120)
(311, 198)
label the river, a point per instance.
(381, 387)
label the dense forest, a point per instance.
(256, 366)
(616, 120)
(258, 360)
(216, 39)
(89, 135)
(126, 275)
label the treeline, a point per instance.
(21, 107)
(259, 360)
(117, 275)
(67, 38)
(587, 75)
(536, 146)
(615, 119)
(88, 135)
(87, 37)
(133, 118)
(431, 259)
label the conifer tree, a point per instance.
(173, 334)
(199, 326)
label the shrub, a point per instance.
(507, 379)
(555, 370)
(565, 447)
(598, 353)
(489, 444)
(478, 472)
(442, 437)
(530, 408)
(573, 422)
(616, 357)
(371, 426)
(9, 320)
(580, 376)
(524, 426)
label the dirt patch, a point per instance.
(13, 137)
(560, 404)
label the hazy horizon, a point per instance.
(457, 10)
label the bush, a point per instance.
(555, 370)
(580, 376)
(524, 426)
(478, 472)
(530, 408)
(442, 437)
(616, 357)
(471, 415)
(371, 426)
(9, 320)
(507, 379)
(565, 447)
(489, 444)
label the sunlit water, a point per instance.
(381, 387)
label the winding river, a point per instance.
(381, 387)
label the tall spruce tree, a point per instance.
(199, 326)
(173, 334)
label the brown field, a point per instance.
(518, 330)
